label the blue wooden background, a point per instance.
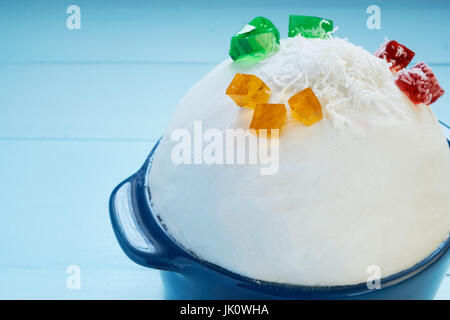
(80, 110)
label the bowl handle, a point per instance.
(136, 228)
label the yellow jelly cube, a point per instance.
(268, 116)
(306, 107)
(248, 90)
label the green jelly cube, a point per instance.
(309, 27)
(257, 40)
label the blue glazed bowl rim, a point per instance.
(182, 257)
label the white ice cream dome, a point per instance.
(366, 185)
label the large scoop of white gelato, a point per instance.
(367, 185)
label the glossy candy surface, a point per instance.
(395, 53)
(257, 40)
(420, 84)
(268, 116)
(247, 90)
(306, 107)
(309, 27)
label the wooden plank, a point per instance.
(200, 31)
(135, 283)
(55, 201)
(444, 290)
(98, 101)
(107, 101)
(55, 204)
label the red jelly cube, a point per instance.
(420, 84)
(397, 54)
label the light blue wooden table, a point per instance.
(80, 110)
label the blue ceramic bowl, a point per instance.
(144, 239)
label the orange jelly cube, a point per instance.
(268, 116)
(248, 90)
(306, 107)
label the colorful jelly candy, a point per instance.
(247, 90)
(420, 84)
(257, 40)
(268, 116)
(306, 107)
(395, 53)
(309, 27)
